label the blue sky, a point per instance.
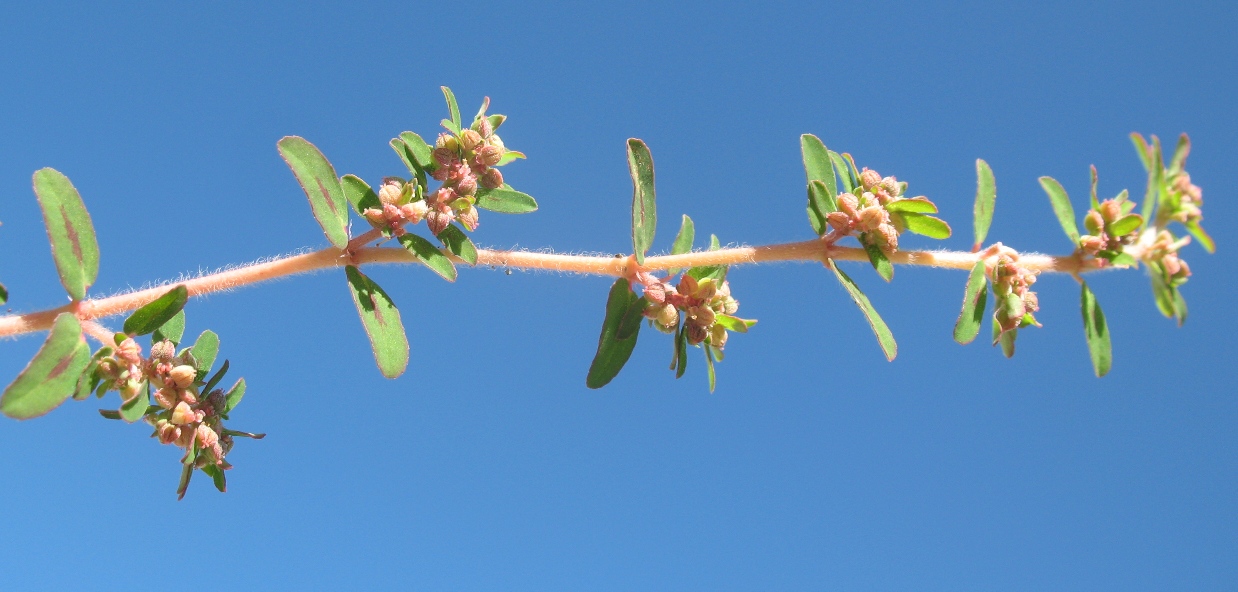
(816, 464)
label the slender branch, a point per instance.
(811, 250)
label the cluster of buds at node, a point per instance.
(867, 213)
(466, 162)
(1188, 197)
(701, 304)
(399, 206)
(1016, 303)
(1164, 254)
(1110, 227)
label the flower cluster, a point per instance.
(1188, 198)
(1110, 227)
(701, 304)
(185, 417)
(867, 213)
(1016, 303)
(398, 206)
(1163, 254)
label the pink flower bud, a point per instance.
(668, 317)
(730, 305)
(445, 157)
(183, 376)
(447, 142)
(702, 315)
(717, 336)
(167, 398)
(492, 179)
(163, 350)
(470, 139)
(1091, 244)
(129, 351)
(705, 289)
(467, 184)
(413, 212)
(391, 189)
(839, 221)
(167, 432)
(892, 186)
(1110, 210)
(656, 293)
(848, 204)
(870, 179)
(872, 217)
(206, 436)
(696, 333)
(468, 217)
(489, 155)
(374, 216)
(183, 414)
(888, 238)
(485, 128)
(185, 437)
(438, 219)
(687, 285)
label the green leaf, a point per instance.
(817, 164)
(217, 476)
(1007, 342)
(1161, 291)
(1179, 305)
(4, 294)
(644, 206)
(1143, 150)
(234, 396)
(683, 240)
(820, 203)
(913, 205)
(884, 337)
(410, 162)
(317, 177)
(135, 409)
(681, 352)
(1061, 206)
(1125, 225)
(630, 324)
(505, 200)
(204, 351)
(508, 156)
(735, 324)
(1123, 259)
(452, 107)
(72, 235)
(382, 323)
(172, 330)
(451, 126)
(215, 378)
(1156, 179)
(612, 352)
(458, 243)
(1197, 231)
(709, 363)
(421, 151)
(183, 485)
(1097, 332)
(1180, 153)
(927, 226)
(974, 301)
(844, 173)
(430, 255)
(879, 260)
(157, 312)
(52, 375)
(359, 194)
(89, 381)
(1095, 180)
(986, 198)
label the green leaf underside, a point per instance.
(820, 203)
(216, 377)
(4, 294)
(1125, 225)
(72, 235)
(359, 194)
(204, 351)
(681, 352)
(51, 377)
(135, 409)
(173, 330)
(1007, 342)
(880, 262)
(458, 243)
(612, 352)
(452, 107)
(986, 198)
(1197, 231)
(317, 177)
(817, 164)
(1142, 149)
(884, 337)
(409, 159)
(508, 156)
(974, 300)
(631, 321)
(506, 201)
(382, 323)
(709, 364)
(914, 205)
(735, 323)
(217, 476)
(1061, 206)
(430, 255)
(644, 205)
(844, 173)
(234, 396)
(422, 152)
(183, 485)
(156, 313)
(1096, 331)
(88, 382)
(683, 240)
(927, 225)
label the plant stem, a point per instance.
(811, 250)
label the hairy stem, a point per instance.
(811, 250)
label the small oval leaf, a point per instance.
(1097, 332)
(974, 300)
(359, 194)
(613, 353)
(986, 198)
(1061, 206)
(452, 107)
(317, 177)
(429, 254)
(172, 330)
(927, 226)
(382, 323)
(644, 202)
(234, 396)
(506, 200)
(880, 262)
(74, 246)
(884, 337)
(51, 377)
(458, 243)
(204, 351)
(913, 205)
(157, 312)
